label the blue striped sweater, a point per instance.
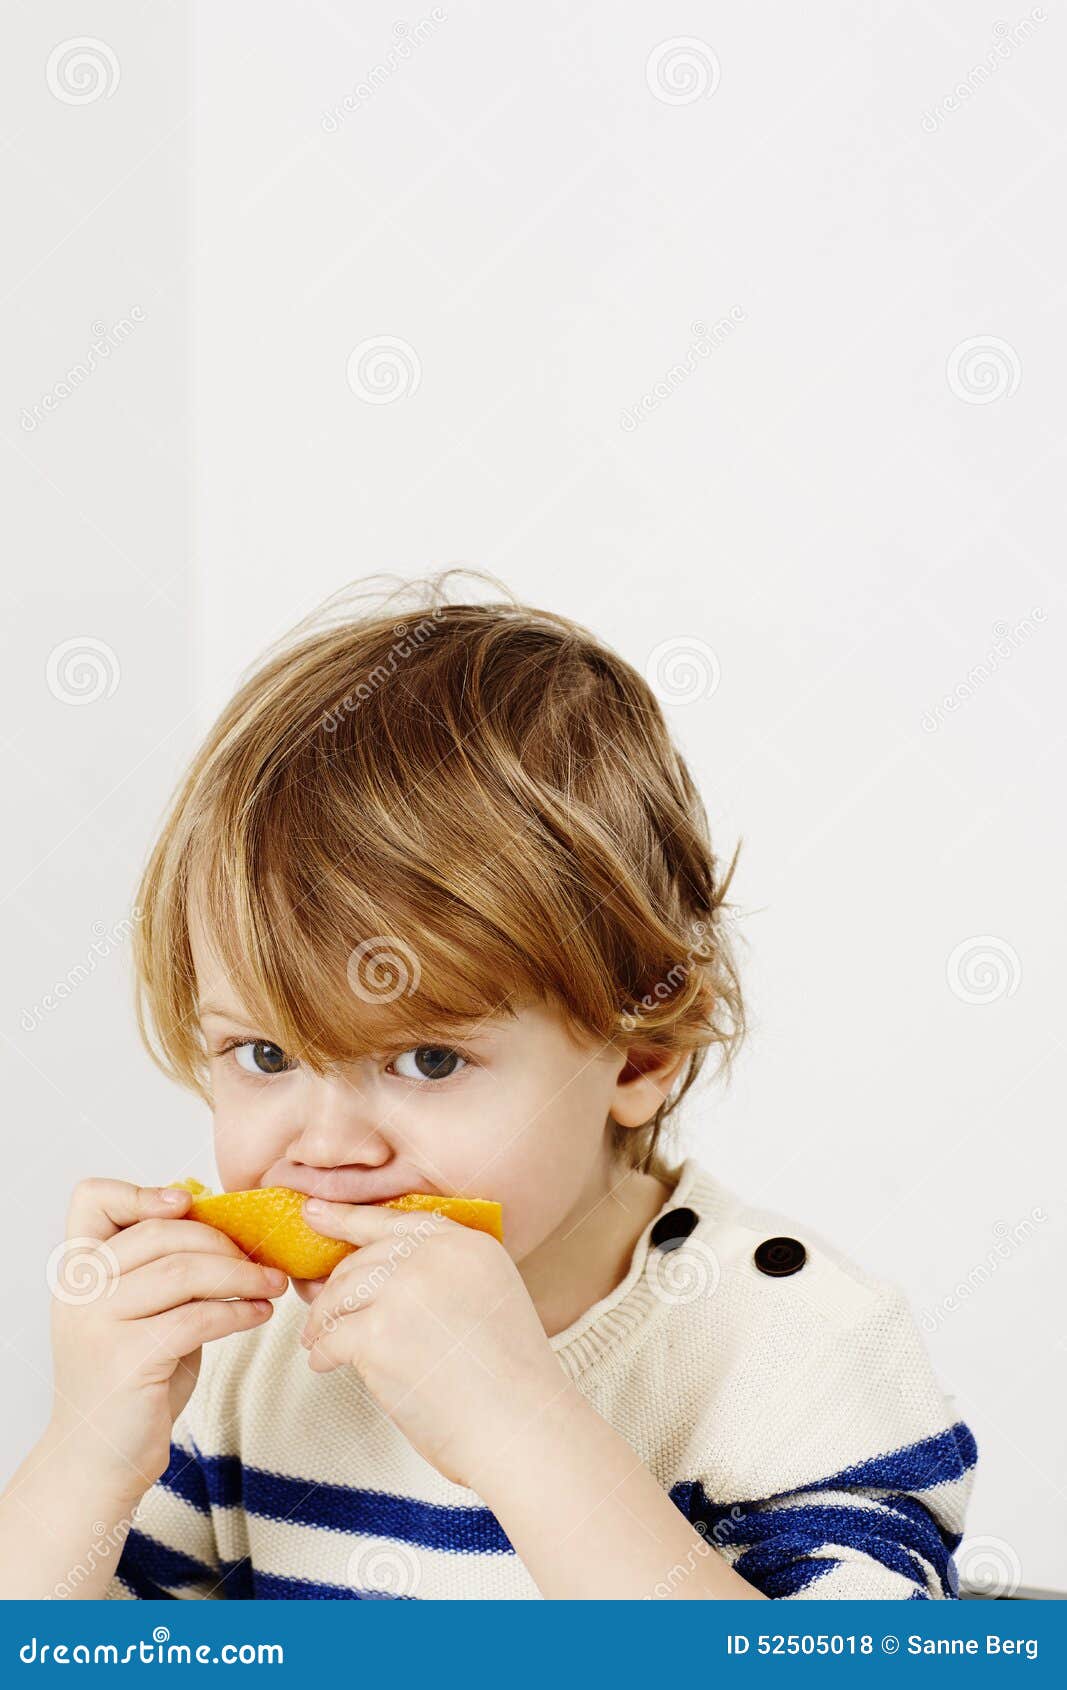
(795, 1421)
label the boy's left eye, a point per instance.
(431, 1062)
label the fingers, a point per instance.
(352, 1285)
(187, 1276)
(101, 1207)
(366, 1223)
(178, 1332)
(147, 1240)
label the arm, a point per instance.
(55, 1516)
(589, 1520)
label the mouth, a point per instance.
(341, 1185)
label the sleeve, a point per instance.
(170, 1549)
(884, 1519)
(884, 1529)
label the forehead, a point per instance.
(215, 992)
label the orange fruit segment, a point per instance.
(268, 1224)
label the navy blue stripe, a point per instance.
(919, 1466)
(141, 1587)
(855, 1527)
(185, 1478)
(800, 1537)
(789, 1578)
(145, 1558)
(345, 1508)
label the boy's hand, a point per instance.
(137, 1291)
(441, 1327)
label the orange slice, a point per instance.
(269, 1225)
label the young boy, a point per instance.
(435, 909)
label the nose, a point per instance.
(337, 1126)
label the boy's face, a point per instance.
(516, 1112)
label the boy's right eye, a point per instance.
(259, 1056)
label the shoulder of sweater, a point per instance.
(829, 1290)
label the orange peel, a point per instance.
(268, 1223)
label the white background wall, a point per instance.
(844, 503)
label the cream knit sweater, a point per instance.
(795, 1420)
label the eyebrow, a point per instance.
(223, 1014)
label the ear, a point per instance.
(644, 1083)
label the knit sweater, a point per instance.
(793, 1418)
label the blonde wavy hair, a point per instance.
(415, 814)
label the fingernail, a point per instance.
(172, 1195)
(261, 1305)
(275, 1276)
(314, 1206)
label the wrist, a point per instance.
(543, 1423)
(85, 1477)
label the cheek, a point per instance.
(249, 1136)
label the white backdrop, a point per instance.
(740, 345)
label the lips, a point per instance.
(340, 1185)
